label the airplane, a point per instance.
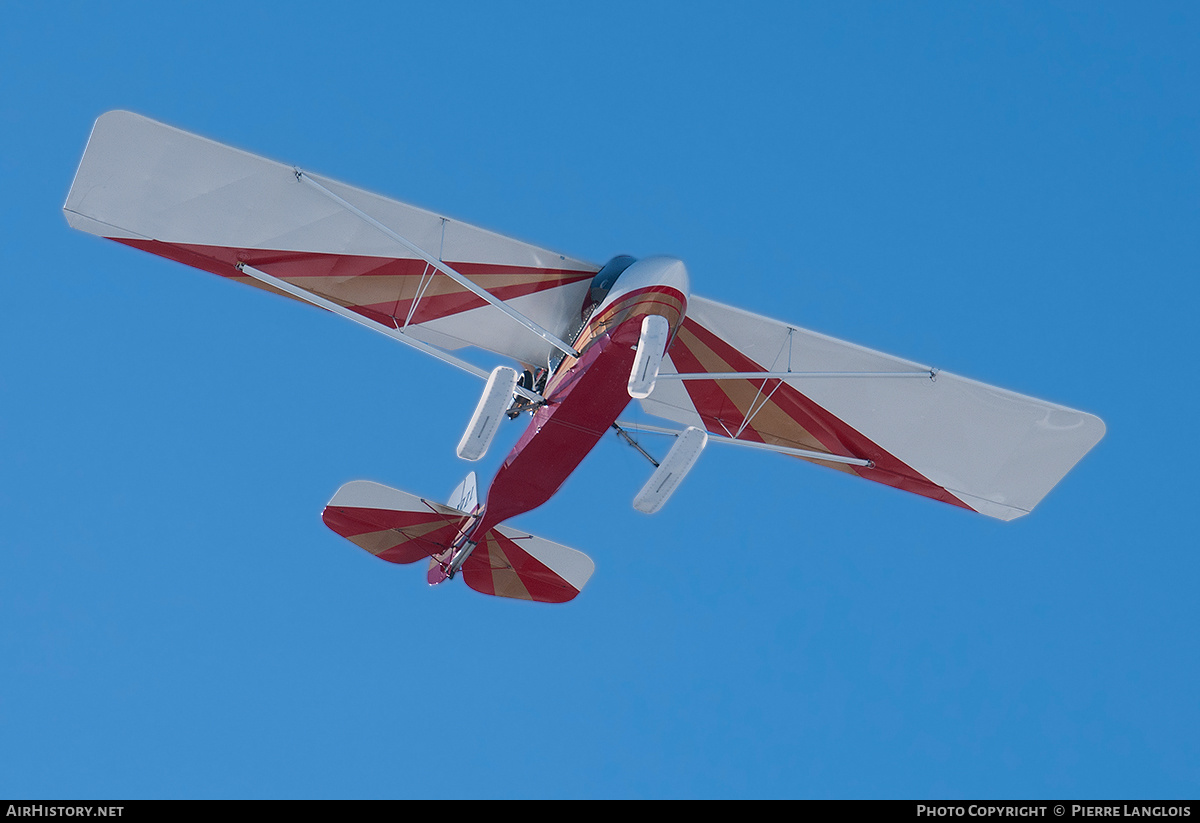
(586, 339)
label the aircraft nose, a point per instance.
(667, 271)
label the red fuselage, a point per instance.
(585, 396)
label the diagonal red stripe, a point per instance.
(292, 265)
(543, 585)
(838, 437)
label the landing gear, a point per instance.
(445, 564)
(533, 381)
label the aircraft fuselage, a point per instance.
(585, 395)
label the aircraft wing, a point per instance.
(925, 431)
(192, 200)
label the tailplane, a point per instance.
(403, 528)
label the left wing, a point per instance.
(181, 196)
(762, 382)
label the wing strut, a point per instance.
(750, 444)
(395, 334)
(467, 284)
(624, 435)
(928, 374)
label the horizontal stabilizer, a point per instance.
(402, 528)
(392, 525)
(510, 563)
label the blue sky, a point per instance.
(1007, 191)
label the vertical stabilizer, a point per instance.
(465, 496)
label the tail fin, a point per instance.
(465, 496)
(403, 528)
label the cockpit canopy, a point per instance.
(603, 282)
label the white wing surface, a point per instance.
(190, 199)
(941, 436)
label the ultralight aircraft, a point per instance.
(585, 338)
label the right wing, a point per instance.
(928, 432)
(198, 202)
